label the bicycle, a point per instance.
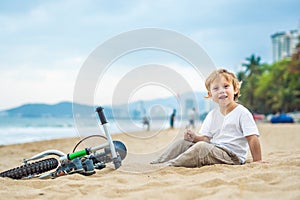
(84, 161)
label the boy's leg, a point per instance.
(203, 153)
(174, 150)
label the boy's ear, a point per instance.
(236, 91)
(209, 94)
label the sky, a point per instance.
(45, 43)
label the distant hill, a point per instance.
(62, 109)
(135, 109)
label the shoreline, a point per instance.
(74, 135)
(19, 134)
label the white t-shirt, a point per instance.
(229, 131)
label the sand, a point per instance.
(136, 179)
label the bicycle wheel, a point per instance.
(34, 168)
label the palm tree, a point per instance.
(241, 76)
(253, 64)
(251, 79)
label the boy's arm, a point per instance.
(199, 138)
(193, 137)
(254, 146)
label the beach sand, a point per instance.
(136, 179)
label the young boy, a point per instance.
(226, 133)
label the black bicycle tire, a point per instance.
(30, 169)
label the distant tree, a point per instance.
(241, 75)
(271, 88)
(276, 89)
(294, 74)
(263, 92)
(252, 66)
(250, 79)
(281, 92)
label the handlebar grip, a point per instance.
(101, 115)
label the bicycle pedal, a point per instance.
(87, 173)
(100, 166)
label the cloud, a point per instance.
(42, 39)
(39, 85)
(111, 79)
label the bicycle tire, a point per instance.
(30, 169)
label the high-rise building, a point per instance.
(283, 44)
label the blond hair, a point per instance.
(229, 76)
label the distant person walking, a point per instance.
(192, 117)
(146, 122)
(172, 118)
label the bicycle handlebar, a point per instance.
(102, 117)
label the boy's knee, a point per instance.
(203, 146)
(182, 141)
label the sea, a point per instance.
(16, 130)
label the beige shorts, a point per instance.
(187, 154)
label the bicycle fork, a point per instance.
(115, 157)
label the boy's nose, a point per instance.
(221, 90)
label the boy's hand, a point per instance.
(189, 135)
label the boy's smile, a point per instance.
(222, 92)
(223, 97)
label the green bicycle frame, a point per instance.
(84, 152)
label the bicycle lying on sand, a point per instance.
(83, 161)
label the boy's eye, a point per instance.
(215, 88)
(227, 86)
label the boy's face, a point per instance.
(222, 91)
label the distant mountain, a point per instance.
(133, 110)
(62, 109)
